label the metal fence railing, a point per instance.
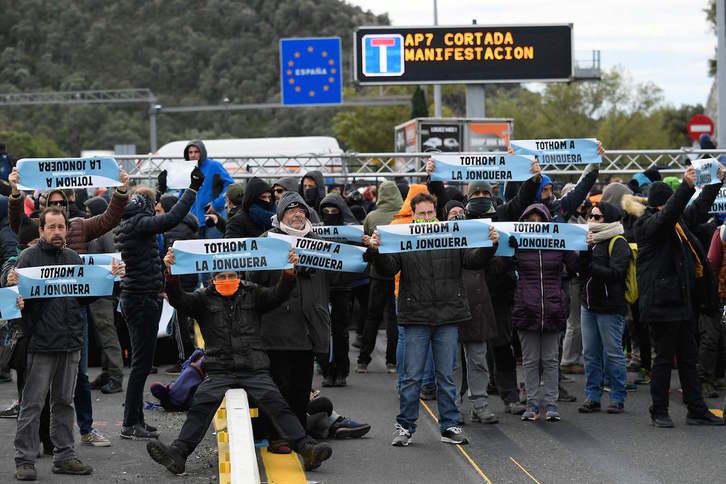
(352, 166)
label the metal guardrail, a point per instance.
(350, 166)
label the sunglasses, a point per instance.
(596, 216)
(58, 203)
(279, 190)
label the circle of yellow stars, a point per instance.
(323, 54)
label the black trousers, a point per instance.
(505, 364)
(639, 332)
(292, 372)
(360, 294)
(261, 391)
(336, 364)
(381, 300)
(712, 347)
(675, 339)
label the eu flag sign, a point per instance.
(310, 71)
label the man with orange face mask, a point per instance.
(228, 313)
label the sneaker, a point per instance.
(26, 472)
(138, 432)
(663, 421)
(704, 419)
(12, 411)
(390, 368)
(428, 393)
(328, 381)
(643, 377)
(588, 406)
(168, 456)
(454, 435)
(552, 414)
(531, 414)
(99, 381)
(572, 369)
(341, 381)
(708, 390)
(94, 438)
(346, 428)
(361, 368)
(522, 393)
(113, 386)
(483, 415)
(149, 428)
(565, 396)
(314, 454)
(616, 407)
(173, 369)
(515, 408)
(72, 466)
(401, 436)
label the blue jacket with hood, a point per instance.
(209, 169)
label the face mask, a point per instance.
(459, 216)
(226, 287)
(479, 207)
(310, 195)
(332, 218)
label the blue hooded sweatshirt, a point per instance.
(204, 195)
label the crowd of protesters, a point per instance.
(457, 321)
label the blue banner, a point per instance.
(487, 167)
(719, 205)
(544, 235)
(65, 281)
(48, 173)
(459, 234)
(326, 255)
(340, 233)
(555, 151)
(101, 260)
(230, 255)
(706, 171)
(9, 303)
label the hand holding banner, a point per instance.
(488, 167)
(460, 234)
(326, 255)
(9, 303)
(340, 233)
(235, 255)
(552, 151)
(178, 173)
(706, 171)
(65, 281)
(48, 173)
(545, 235)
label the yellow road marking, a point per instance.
(523, 469)
(458, 446)
(283, 468)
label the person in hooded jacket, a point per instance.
(381, 297)
(673, 276)
(141, 289)
(540, 315)
(254, 216)
(602, 270)
(284, 184)
(335, 363)
(187, 229)
(312, 189)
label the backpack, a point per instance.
(631, 283)
(177, 395)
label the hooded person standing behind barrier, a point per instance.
(312, 189)
(255, 215)
(284, 184)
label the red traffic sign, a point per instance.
(698, 125)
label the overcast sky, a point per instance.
(667, 42)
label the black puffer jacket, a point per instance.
(231, 325)
(668, 289)
(602, 277)
(240, 223)
(53, 324)
(137, 242)
(186, 230)
(431, 290)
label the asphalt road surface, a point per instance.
(581, 448)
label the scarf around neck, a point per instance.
(295, 232)
(602, 231)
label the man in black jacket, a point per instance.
(671, 268)
(228, 313)
(431, 303)
(254, 216)
(141, 289)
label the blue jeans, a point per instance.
(82, 398)
(602, 341)
(428, 375)
(442, 340)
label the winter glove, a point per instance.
(513, 242)
(161, 182)
(217, 185)
(197, 179)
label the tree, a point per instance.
(419, 109)
(26, 145)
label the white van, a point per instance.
(258, 156)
